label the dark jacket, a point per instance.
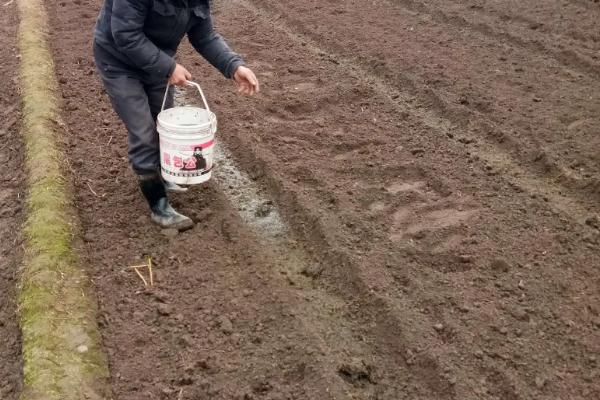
(143, 35)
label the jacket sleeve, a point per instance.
(127, 27)
(213, 47)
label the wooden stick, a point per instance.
(141, 276)
(150, 270)
(92, 190)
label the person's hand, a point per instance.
(246, 80)
(180, 76)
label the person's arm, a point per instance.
(213, 48)
(127, 26)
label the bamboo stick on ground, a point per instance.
(150, 271)
(141, 276)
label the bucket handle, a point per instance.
(189, 83)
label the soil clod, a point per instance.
(500, 265)
(313, 270)
(164, 309)
(593, 221)
(170, 233)
(225, 325)
(356, 371)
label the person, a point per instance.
(196, 162)
(134, 45)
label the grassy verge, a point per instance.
(62, 355)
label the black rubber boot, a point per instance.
(163, 214)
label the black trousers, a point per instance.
(137, 100)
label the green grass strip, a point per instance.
(62, 354)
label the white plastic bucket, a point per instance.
(187, 141)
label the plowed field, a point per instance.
(436, 168)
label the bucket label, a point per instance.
(186, 160)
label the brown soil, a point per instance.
(441, 168)
(12, 194)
